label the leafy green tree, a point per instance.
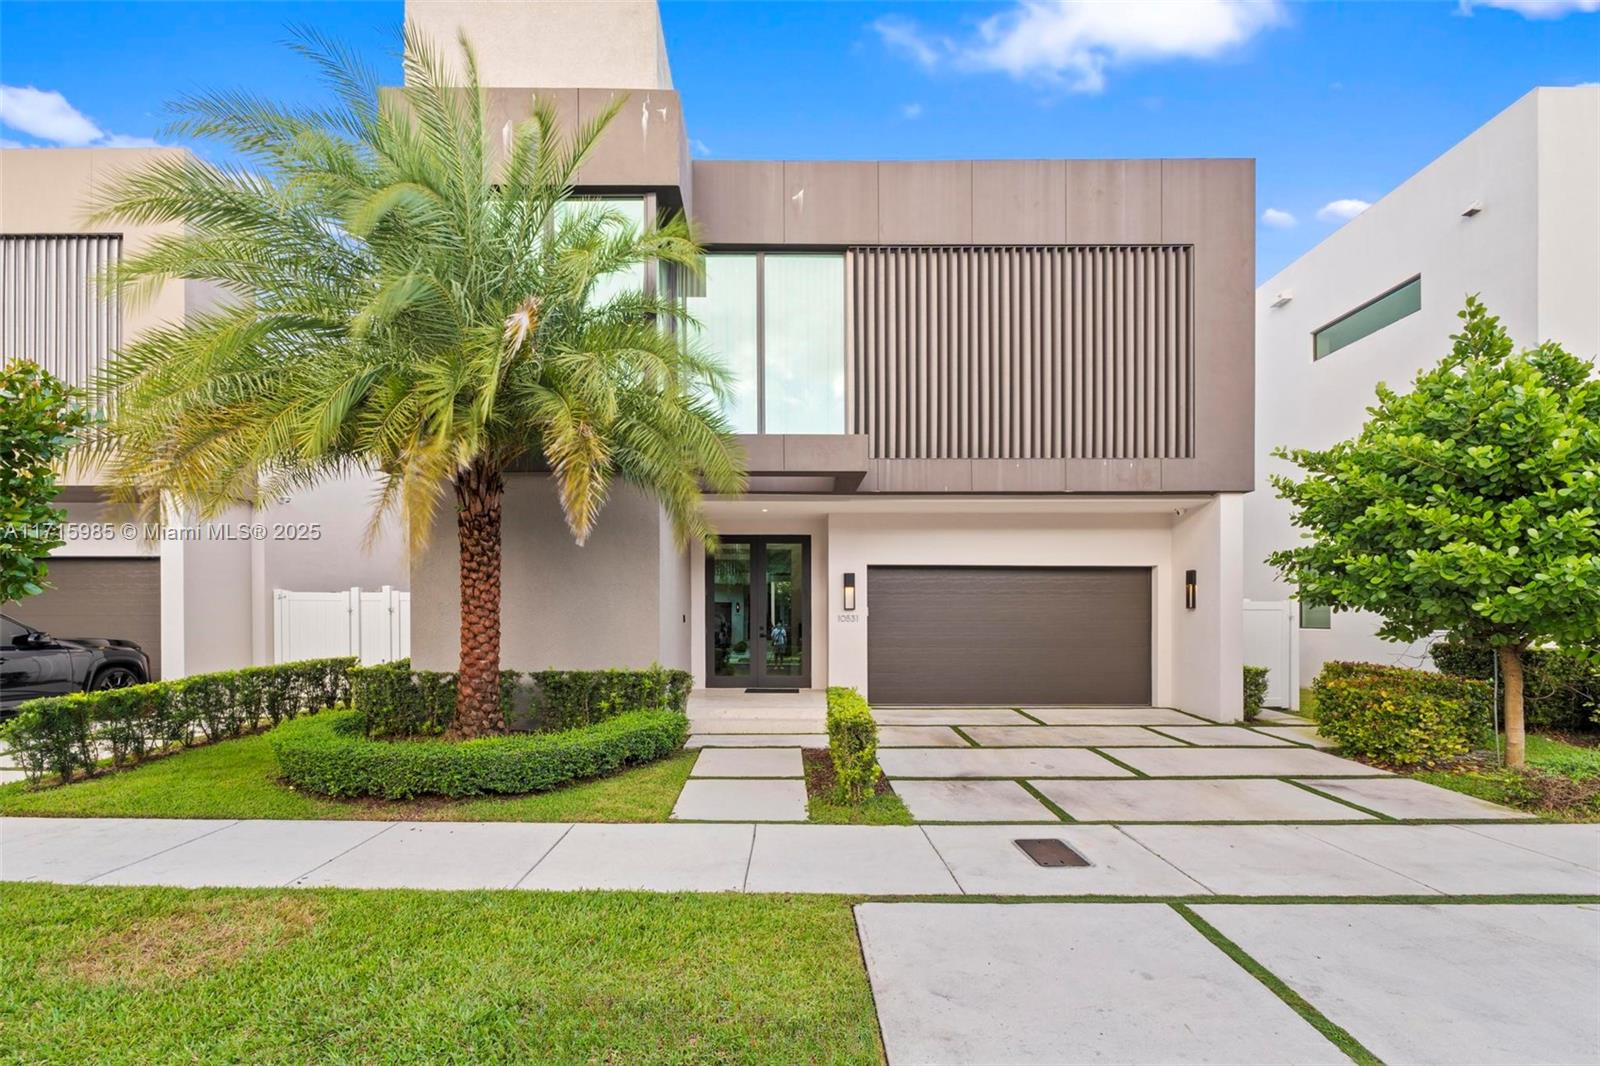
(40, 418)
(412, 291)
(1467, 504)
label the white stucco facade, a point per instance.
(1530, 248)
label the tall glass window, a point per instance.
(776, 321)
(726, 315)
(1405, 299)
(804, 344)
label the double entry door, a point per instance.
(758, 613)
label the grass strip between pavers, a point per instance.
(1051, 805)
(1336, 1034)
(1340, 799)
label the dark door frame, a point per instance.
(757, 678)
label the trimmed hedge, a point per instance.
(852, 743)
(1255, 691)
(65, 734)
(401, 702)
(1399, 716)
(332, 755)
(1560, 690)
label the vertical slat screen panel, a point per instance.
(1081, 352)
(50, 310)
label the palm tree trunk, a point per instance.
(479, 490)
(1511, 679)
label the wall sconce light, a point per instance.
(849, 592)
(1189, 584)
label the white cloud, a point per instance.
(1278, 219)
(903, 35)
(700, 147)
(911, 111)
(47, 115)
(1074, 44)
(1535, 9)
(1342, 210)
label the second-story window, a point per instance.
(1402, 300)
(777, 323)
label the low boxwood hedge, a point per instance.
(852, 743)
(331, 754)
(1255, 691)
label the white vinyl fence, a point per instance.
(1272, 639)
(375, 627)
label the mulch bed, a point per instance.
(821, 781)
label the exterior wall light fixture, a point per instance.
(1189, 586)
(850, 592)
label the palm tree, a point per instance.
(398, 300)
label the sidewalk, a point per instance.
(1134, 861)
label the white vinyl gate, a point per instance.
(1272, 639)
(375, 627)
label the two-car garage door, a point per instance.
(1008, 636)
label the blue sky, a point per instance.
(1337, 102)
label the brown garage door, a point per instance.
(1011, 636)
(100, 598)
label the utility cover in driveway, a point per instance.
(1008, 636)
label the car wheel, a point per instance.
(116, 677)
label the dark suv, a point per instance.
(34, 664)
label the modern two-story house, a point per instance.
(998, 414)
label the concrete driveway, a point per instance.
(1140, 982)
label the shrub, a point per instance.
(401, 702)
(1398, 716)
(331, 754)
(1561, 689)
(853, 743)
(63, 735)
(1255, 691)
(567, 698)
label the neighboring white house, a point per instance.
(197, 597)
(1511, 213)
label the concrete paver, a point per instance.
(1067, 736)
(748, 762)
(947, 716)
(657, 858)
(1228, 800)
(441, 855)
(1364, 967)
(847, 858)
(971, 801)
(996, 762)
(1402, 797)
(1578, 844)
(1068, 983)
(1277, 717)
(741, 801)
(755, 725)
(1457, 862)
(1297, 734)
(1112, 716)
(1242, 762)
(919, 736)
(757, 740)
(248, 854)
(1271, 860)
(72, 850)
(986, 861)
(1220, 736)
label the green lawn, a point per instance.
(239, 779)
(1565, 784)
(161, 975)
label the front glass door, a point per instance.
(757, 616)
